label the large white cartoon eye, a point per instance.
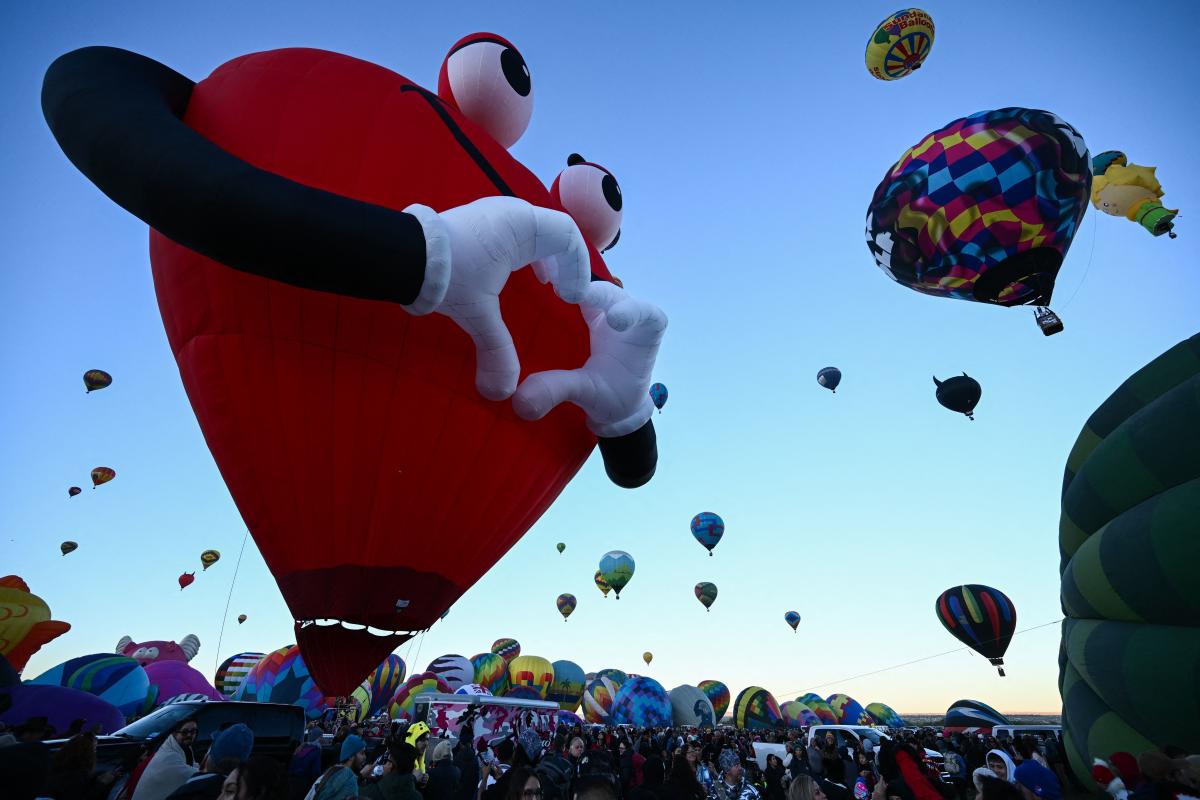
(151, 653)
(591, 195)
(138, 654)
(486, 79)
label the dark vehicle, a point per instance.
(277, 728)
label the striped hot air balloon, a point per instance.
(980, 617)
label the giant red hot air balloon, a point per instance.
(290, 256)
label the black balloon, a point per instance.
(960, 393)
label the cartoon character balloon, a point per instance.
(292, 176)
(960, 393)
(617, 569)
(25, 623)
(160, 650)
(717, 694)
(1121, 189)
(983, 209)
(829, 377)
(1128, 541)
(658, 395)
(792, 618)
(591, 195)
(708, 528)
(900, 44)
(102, 475)
(565, 604)
(602, 584)
(980, 617)
(209, 557)
(706, 593)
(172, 678)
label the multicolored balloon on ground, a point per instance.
(598, 697)
(68, 547)
(708, 528)
(95, 379)
(523, 693)
(829, 377)
(491, 672)
(848, 710)
(1129, 546)
(386, 679)
(642, 702)
(454, 670)
(617, 568)
(283, 677)
(209, 557)
(74, 490)
(883, 714)
(60, 706)
(568, 686)
(798, 715)
(691, 708)
(565, 604)
(401, 704)
(118, 680)
(658, 395)
(818, 706)
(102, 475)
(508, 649)
(172, 678)
(25, 623)
(980, 617)
(717, 694)
(960, 393)
(186, 580)
(233, 671)
(756, 709)
(602, 584)
(969, 716)
(792, 618)
(900, 44)
(533, 671)
(983, 209)
(706, 593)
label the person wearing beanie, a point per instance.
(731, 785)
(229, 749)
(1037, 782)
(304, 767)
(398, 781)
(444, 776)
(340, 782)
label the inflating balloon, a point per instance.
(647, 657)
(642, 702)
(115, 679)
(1128, 541)
(102, 475)
(970, 716)
(848, 710)
(68, 547)
(474, 690)
(283, 677)
(796, 714)
(154, 650)
(561, 546)
(980, 617)
(454, 670)
(983, 209)
(1121, 189)
(386, 679)
(25, 623)
(569, 683)
(491, 672)
(95, 379)
(756, 709)
(250, 237)
(717, 694)
(818, 706)
(233, 671)
(533, 671)
(708, 528)
(173, 678)
(400, 706)
(591, 195)
(74, 490)
(209, 557)
(960, 393)
(602, 584)
(598, 699)
(706, 593)
(508, 649)
(565, 604)
(241, 618)
(690, 707)
(900, 44)
(883, 714)
(617, 568)
(186, 580)
(658, 395)
(792, 618)
(829, 377)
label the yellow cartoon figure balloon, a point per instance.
(900, 44)
(1121, 189)
(25, 623)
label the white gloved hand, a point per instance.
(613, 386)
(470, 252)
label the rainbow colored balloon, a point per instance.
(883, 714)
(491, 672)
(384, 681)
(599, 695)
(797, 715)
(848, 710)
(401, 704)
(980, 617)
(115, 679)
(508, 649)
(717, 694)
(565, 604)
(568, 686)
(756, 709)
(818, 706)
(282, 677)
(234, 670)
(642, 702)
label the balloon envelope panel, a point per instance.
(401, 704)
(973, 714)
(848, 710)
(568, 686)
(118, 680)
(491, 672)
(883, 714)
(756, 709)
(717, 694)
(819, 707)
(384, 681)
(234, 670)
(691, 707)
(642, 702)
(533, 671)
(283, 677)
(454, 669)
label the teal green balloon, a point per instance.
(617, 569)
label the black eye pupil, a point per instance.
(515, 71)
(612, 192)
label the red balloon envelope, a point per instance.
(350, 433)
(186, 580)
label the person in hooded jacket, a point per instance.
(444, 777)
(170, 766)
(998, 765)
(773, 776)
(304, 767)
(229, 749)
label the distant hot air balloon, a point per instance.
(830, 377)
(209, 557)
(706, 593)
(68, 547)
(647, 657)
(617, 568)
(960, 393)
(602, 584)
(566, 604)
(708, 528)
(102, 475)
(74, 490)
(658, 395)
(508, 649)
(561, 546)
(900, 44)
(95, 379)
(792, 618)
(186, 580)
(241, 618)
(980, 617)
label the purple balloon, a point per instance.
(59, 705)
(173, 678)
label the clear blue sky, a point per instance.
(747, 140)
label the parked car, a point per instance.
(846, 735)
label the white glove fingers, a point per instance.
(497, 366)
(631, 312)
(542, 391)
(556, 235)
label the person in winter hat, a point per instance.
(998, 765)
(229, 749)
(1037, 782)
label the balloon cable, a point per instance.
(906, 663)
(1085, 269)
(228, 599)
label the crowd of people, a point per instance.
(408, 762)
